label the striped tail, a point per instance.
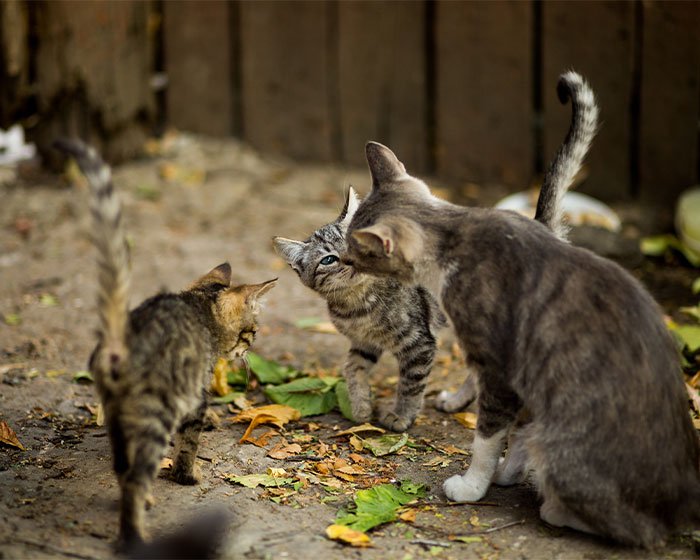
(569, 158)
(113, 258)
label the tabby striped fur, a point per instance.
(152, 366)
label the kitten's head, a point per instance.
(235, 308)
(384, 238)
(317, 260)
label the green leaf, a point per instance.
(343, 396)
(306, 322)
(375, 506)
(227, 398)
(237, 377)
(48, 300)
(270, 372)
(255, 480)
(469, 539)
(83, 377)
(412, 488)
(12, 319)
(657, 245)
(385, 444)
(309, 395)
(696, 286)
(690, 335)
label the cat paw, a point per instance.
(187, 477)
(458, 489)
(362, 411)
(507, 474)
(395, 422)
(452, 401)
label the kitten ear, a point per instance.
(289, 249)
(256, 291)
(378, 239)
(351, 204)
(219, 276)
(383, 164)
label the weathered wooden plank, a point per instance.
(94, 61)
(579, 35)
(197, 41)
(484, 107)
(382, 79)
(669, 96)
(286, 57)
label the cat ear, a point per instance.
(289, 249)
(256, 291)
(378, 239)
(383, 164)
(351, 204)
(219, 276)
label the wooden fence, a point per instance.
(461, 90)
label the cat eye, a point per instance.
(329, 259)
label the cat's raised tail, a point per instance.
(569, 158)
(113, 256)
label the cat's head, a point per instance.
(384, 237)
(317, 260)
(235, 308)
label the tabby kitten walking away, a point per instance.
(556, 330)
(379, 314)
(152, 365)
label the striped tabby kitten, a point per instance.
(380, 314)
(555, 330)
(152, 365)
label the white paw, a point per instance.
(447, 401)
(505, 476)
(459, 488)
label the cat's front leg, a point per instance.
(185, 469)
(358, 364)
(497, 411)
(415, 363)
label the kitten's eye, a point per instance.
(329, 259)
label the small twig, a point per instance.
(499, 527)
(424, 542)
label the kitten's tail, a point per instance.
(569, 158)
(113, 256)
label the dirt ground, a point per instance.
(198, 203)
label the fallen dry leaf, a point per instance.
(409, 516)
(261, 441)
(452, 450)
(275, 414)
(324, 327)
(166, 463)
(360, 429)
(347, 535)
(219, 383)
(8, 436)
(356, 443)
(283, 450)
(467, 419)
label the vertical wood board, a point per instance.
(285, 78)
(595, 39)
(670, 94)
(484, 110)
(199, 66)
(382, 79)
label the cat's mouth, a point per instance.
(244, 342)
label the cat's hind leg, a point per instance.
(185, 469)
(358, 364)
(555, 513)
(452, 401)
(512, 469)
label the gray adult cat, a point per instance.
(379, 314)
(556, 330)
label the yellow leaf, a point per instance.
(166, 463)
(283, 451)
(347, 535)
(452, 450)
(467, 419)
(409, 516)
(8, 436)
(359, 429)
(275, 414)
(219, 384)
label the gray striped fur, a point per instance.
(152, 366)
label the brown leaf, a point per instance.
(409, 516)
(467, 419)
(275, 414)
(260, 441)
(283, 450)
(166, 463)
(452, 450)
(8, 436)
(360, 429)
